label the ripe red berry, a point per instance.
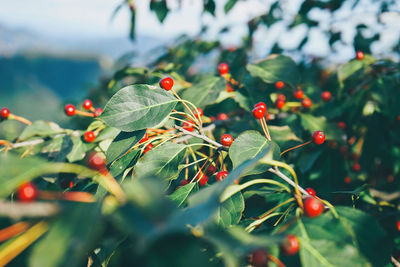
(311, 191)
(27, 192)
(226, 139)
(356, 167)
(341, 125)
(4, 113)
(281, 97)
(87, 104)
(198, 112)
(97, 112)
(97, 161)
(290, 246)
(188, 126)
(360, 55)
(89, 136)
(326, 96)
(148, 148)
(313, 207)
(306, 103)
(184, 182)
(221, 175)
(203, 180)
(279, 85)
(69, 110)
(298, 94)
(318, 137)
(398, 225)
(144, 138)
(223, 68)
(210, 170)
(347, 180)
(259, 258)
(167, 83)
(261, 105)
(280, 104)
(222, 116)
(258, 113)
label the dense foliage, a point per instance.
(254, 163)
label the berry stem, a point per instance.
(287, 150)
(263, 121)
(84, 113)
(293, 104)
(20, 119)
(275, 260)
(198, 120)
(13, 230)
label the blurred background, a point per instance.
(56, 52)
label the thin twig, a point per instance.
(288, 180)
(18, 210)
(205, 138)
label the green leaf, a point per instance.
(162, 161)
(231, 210)
(160, 8)
(205, 92)
(276, 68)
(229, 5)
(138, 107)
(350, 68)
(120, 165)
(282, 133)
(40, 128)
(247, 145)
(122, 143)
(79, 149)
(312, 124)
(181, 194)
(69, 238)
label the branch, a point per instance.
(383, 195)
(205, 138)
(288, 180)
(17, 210)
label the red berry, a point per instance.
(259, 258)
(144, 138)
(89, 136)
(87, 104)
(222, 116)
(258, 113)
(356, 167)
(97, 112)
(313, 207)
(360, 55)
(326, 96)
(167, 83)
(279, 85)
(298, 94)
(198, 112)
(311, 191)
(188, 126)
(4, 113)
(226, 139)
(221, 175)
(184, 182)
(347, 180)
(261, 105)
(280, 104)
(210, 170)
(398, 225)
(223, 68)
(97, 161)
(212, 118)
(203, 180)
(290, 246)
(281, 97)
(343, 150)
(318, 137)
(69, 110)
(148, 148)
(341, 125)
(306, 102)
(27, 192)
